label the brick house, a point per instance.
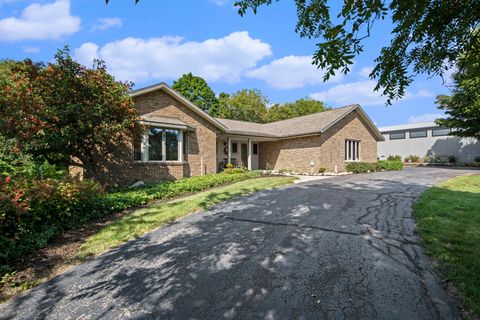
(182, 140)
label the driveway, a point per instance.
(339, 248)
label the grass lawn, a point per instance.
(448, 219)
(143, 220)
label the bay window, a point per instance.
(161, 144)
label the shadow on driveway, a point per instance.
(332, 249)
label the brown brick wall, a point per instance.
(121, 169)
(326, 150)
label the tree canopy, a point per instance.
(63, 110)
(462, 107)
(197, 90)
(244, 105)
(298, 108)
(428, 36)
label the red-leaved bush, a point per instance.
(32, 211)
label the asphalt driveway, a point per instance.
(339, 248)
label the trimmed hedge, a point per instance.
(381, 165)
(126, 198)
(394, 158)
(34, 211)
(389, 165)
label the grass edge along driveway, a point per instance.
(141, 221)
(448, 220)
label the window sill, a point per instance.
(171, 162)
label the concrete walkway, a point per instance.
(339, 248)
(302, 179)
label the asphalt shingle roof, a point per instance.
(304, 125)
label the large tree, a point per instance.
(244, 105)
(298, 108)
(197, 90)
(428, 36)
(62, 110)
(462, 107)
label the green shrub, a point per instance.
(322, 169)
(15, 163)
(126, 198)
(235, 170)
(439, 159)
(362, 167)
(412, 158)
(477, 159)
(394, 158)
(452, 159)
(389, 165)
(34, 211)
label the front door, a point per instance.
(244, 154)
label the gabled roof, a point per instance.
(300, 126)
(166, 88)
(311, 124)
(246, 128)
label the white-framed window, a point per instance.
(160, 144)
(352, 150)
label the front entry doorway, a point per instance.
(244, 154)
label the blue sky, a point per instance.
(157, 41)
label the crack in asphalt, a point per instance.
(206, 267)
(288, 224)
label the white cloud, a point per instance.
(140, 60)
(290, 72)
(107, 23)
(365, 72)
(87, 53)
(31, 50)
(39, 22)
(361, 92)
(425, 117)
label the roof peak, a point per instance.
(303, 116)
